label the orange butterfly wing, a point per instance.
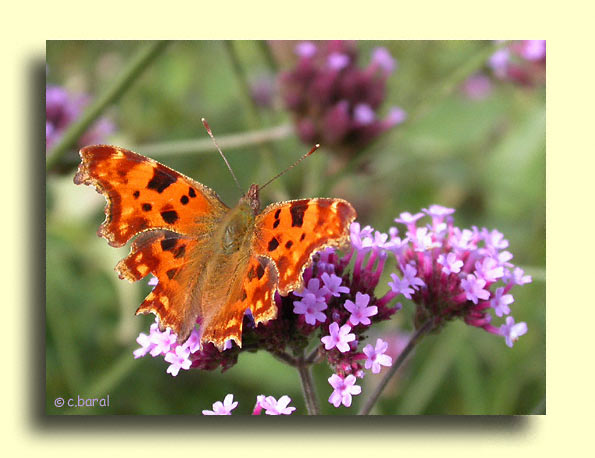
(289, 233)
(171, 215)
(143, 194)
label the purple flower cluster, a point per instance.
(62, 109)
(451, 273)
(335, 102)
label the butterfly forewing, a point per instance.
(290, 232)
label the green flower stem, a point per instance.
(255, 120)
(226, 142)
(305, 372)
(371, 401)
(138, 64)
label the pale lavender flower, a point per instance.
(222, 408)
(408, 284)
(311, 307)
(360, 312)
(450, 263)
(339, 337)
(162, 341)
(474, 288)
(382, 58)
(364, 114)
(489, 269)
(274, 407)
(376, 356)
(146, 345)
(338, 61)
(332, 283)
(344, 389)
(305, 49)
(178, 360)
(512, 331)
(500, 302)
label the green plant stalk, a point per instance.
(308, 389)
(419, 334)
(255, 120)
(139, 63)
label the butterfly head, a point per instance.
(252, 198)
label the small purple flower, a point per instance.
(305, 49)
(500, 302)
(274, 407)
(363, 114)
(519, 277)
(344, 389)
(153, 281)
(533, 50)
(178, 360)
(408, 284)
(489, 269)
(450, 263)
(193, 342)
(512, 331)
(360, 312)
(146, 345)
(499, 62)
(332, 284)
(162, 341)
(311, 307)
(222, 408)
(407, 218)
(338, 61)
(376, 356)
(383, 59)
(396, 115)
(339, 337)
(474, 288)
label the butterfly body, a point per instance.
(213, 262)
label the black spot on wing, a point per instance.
(180, 251)
(259, 271)
(171, 272)
(170, 216)
(136, 194)
(147, 207)
(277, 213)
(161, 180)
(297, 211)
(191, 192)
(273, 244)
(168, 244)
(184, 200)
(303, 237)
(276, 223)
(288, 244)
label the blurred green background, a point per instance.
(486, 158)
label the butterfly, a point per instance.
(212, 262)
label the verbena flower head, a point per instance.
(452, 273)
(334, 101)
(62, 109)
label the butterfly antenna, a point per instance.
(206, 124)
(314, 148)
